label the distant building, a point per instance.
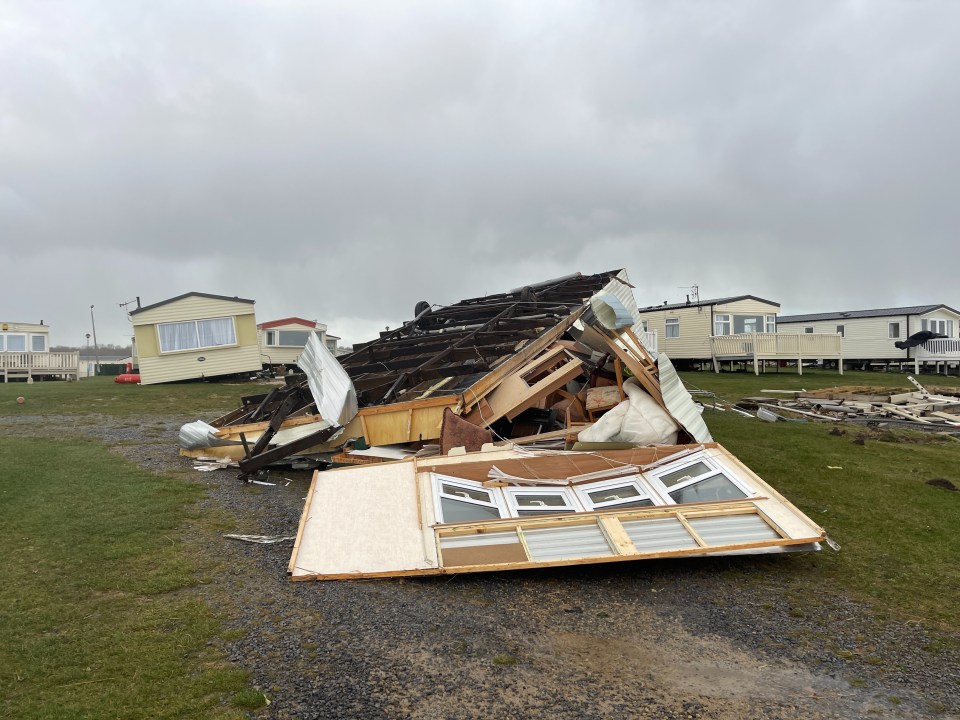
(281, 341)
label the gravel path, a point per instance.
(698, 638)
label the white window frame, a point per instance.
(890, 330)
(645, 324)
(277, 341)
(937, 325)
(496, 498)
(808, 330)
(770, 323)
(34, 338)
(271, 337)
(583, 493)
(17, 335)
(722, 324)
(3, 342)
(572, 505)
(842, 330)
(715, 469)
(671, 324)
(195, 323)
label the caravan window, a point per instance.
(941, 327)
(620, 494)
(893, 330)
(721, 325)
(195, 334)
(38, 343)
(459, 501)
(673, 327)
(540, 501)
(771, 323)
(699, 481)
(16, 343)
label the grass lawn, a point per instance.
(898, 534)
(94, 619)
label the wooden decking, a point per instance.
(30, 365)
(758, 347)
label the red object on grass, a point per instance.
(133, 378)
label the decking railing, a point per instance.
(939, 349)
(649, 340)
(777, 346)
(27, 364)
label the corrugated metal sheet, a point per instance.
(679, 402)
(624, 293)
(330, 385)
(659, 535)
(733, 529)
(494, 538)
(610, 311)
(567, 543)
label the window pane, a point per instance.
(177, 336)
(633, 504)
(771, 324)
(808, 330)
(459, 511)
(673, 327)
(293, 338)
(747, 323)
(218, 331)
(717, 487)
(3, 342)
(894, 330)
(611, 494)
(478, 495)
(38, 343)
(16, 343)
(840, 330)
(540, 501)
(544, 511)
(687, 473)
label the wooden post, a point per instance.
(756, 366)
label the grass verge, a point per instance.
(898, 534)
(91, 620)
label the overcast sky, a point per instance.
(341, 161)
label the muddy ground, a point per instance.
(696, 638)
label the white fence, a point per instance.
(649, 340)
(777, 346)
(939, 349)
(27, 364)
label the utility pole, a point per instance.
(96, 352)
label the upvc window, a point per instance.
(620, 494)
(770, 323)
(699, 481)
(195, 334)
(721, 325)
(3, 344)
(16, 343)
(941, 327)
(673, 327)
(808, 330)
(893, 330)
(287, 338)
(38, 343)
(540, 501)
(459, 501)
(841, 330)
(645, 325)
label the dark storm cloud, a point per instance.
(342, 161)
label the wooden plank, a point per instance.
(617, 536)
(303, 522)
(229, 430)
(643, 375)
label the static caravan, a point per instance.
(282, 341)
(685, 330)
(871, 335)
(196, 335)
(25, 353)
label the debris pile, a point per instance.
(920, 408)
(524, 429)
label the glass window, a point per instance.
(38, 343)
(195, 334)
(687, 473)
(747, 323)
(700, 481)
(716, 487)
(3, 344)
(840, 330)
(893, 330)
(938, 326)
(771, 323)
(17, 343)
(618, 494)
(721, 324)
(525, 502)
(808, 330)
(293, 338)
(464, 502)
(673, 327)
(271, 337)
(646, 327)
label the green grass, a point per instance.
(92, 620)
(101, 395)
(898, 534)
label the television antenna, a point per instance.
(693, 297)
